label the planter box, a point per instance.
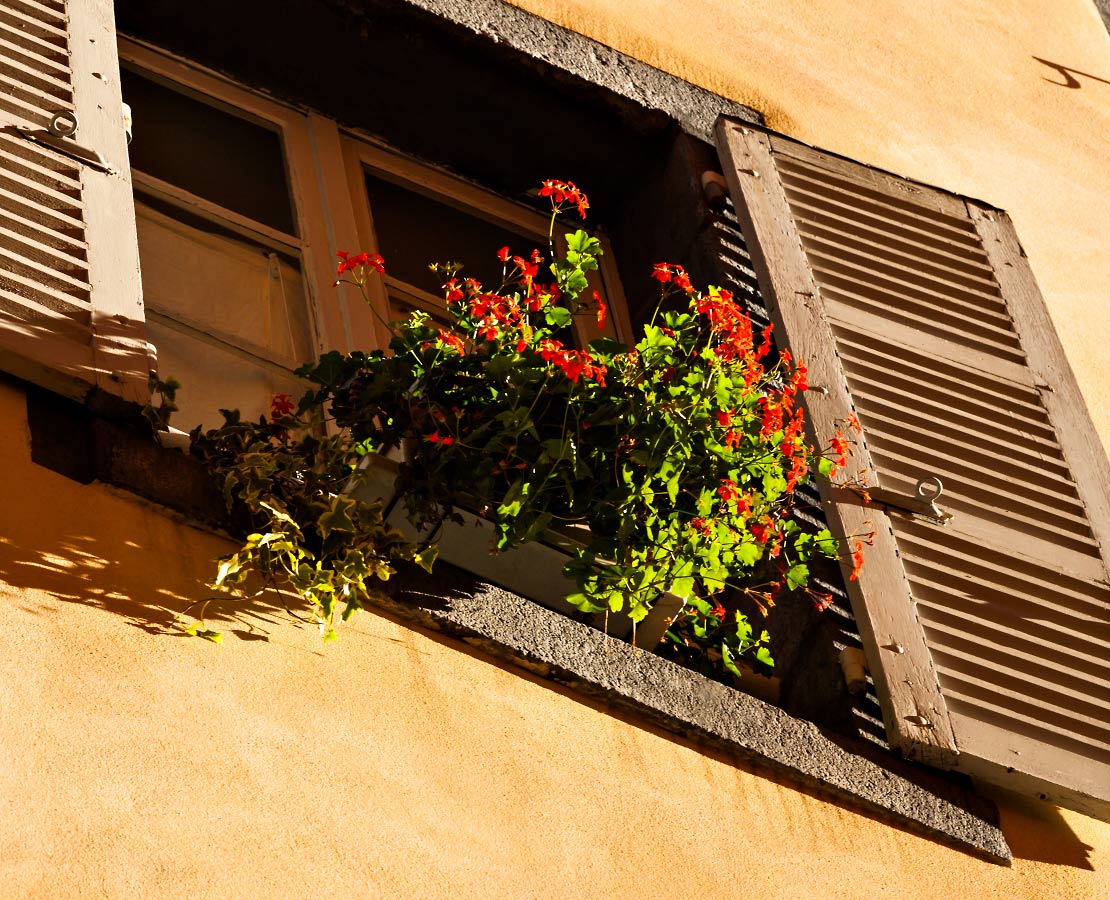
(533, 570)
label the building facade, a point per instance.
(474, 744)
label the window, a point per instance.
(222, 250)
(237, 296)
(987, 636)
(415, 215)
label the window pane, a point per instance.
(213, 378)
(222, 283)
(208, 152)
(414, 230)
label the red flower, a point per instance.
(821, 602)
(602, 309)
(445, 440)
(765, 347)
(772, 417)
(718, 612)
(503, 254)
(281, 405)
(562, 192)
(351, 263)
(724, 419)
(857, 561)
(728, 491)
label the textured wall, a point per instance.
(136, 763)
(392, 764)
(949, 93)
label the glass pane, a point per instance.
(414, 230)
(213, 378)
(223, 284)
(208, 152)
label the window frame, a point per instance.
(360, 153)
(312, 244)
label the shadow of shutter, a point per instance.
(989, 637)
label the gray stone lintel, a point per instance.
(695, 109)
(519, 632)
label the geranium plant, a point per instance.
(677, 458)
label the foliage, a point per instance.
(681, 455)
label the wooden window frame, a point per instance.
(313, 245)
(361, 154)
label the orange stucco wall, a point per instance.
(135, 763)
(948, 92)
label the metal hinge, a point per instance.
(62, 127)
(921, 506)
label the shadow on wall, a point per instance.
(1038, 832)
(1070, 81)
(126, 578)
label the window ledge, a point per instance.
(84, 443)
(522, 633)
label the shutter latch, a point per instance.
(923, 505)
(63, 126)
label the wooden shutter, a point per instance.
(71, 310)
(988, 636)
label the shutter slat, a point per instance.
(903, 427)
(845, 293)
(901, 331)
(44, 12)
(49, 50)
(35, 192)
(980, 626)
(856, 235)
(837, 208)
(46, 66)
(45, 28)
(47, 269)
(27, 99)
(40, 291)
(948, 355)
(22, 243)
(860, 181)
(888, 280)
(989, 399)
(72, 314)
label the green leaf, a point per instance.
(426, 558)
(337, 517)
(557, 316)
(749, 553)
(797, 576)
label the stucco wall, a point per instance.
(949, 93)
(394, 764)
(136, 763)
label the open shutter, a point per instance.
(988, 636)
(71, 310)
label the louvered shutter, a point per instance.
(988, 636)
(71, 311)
